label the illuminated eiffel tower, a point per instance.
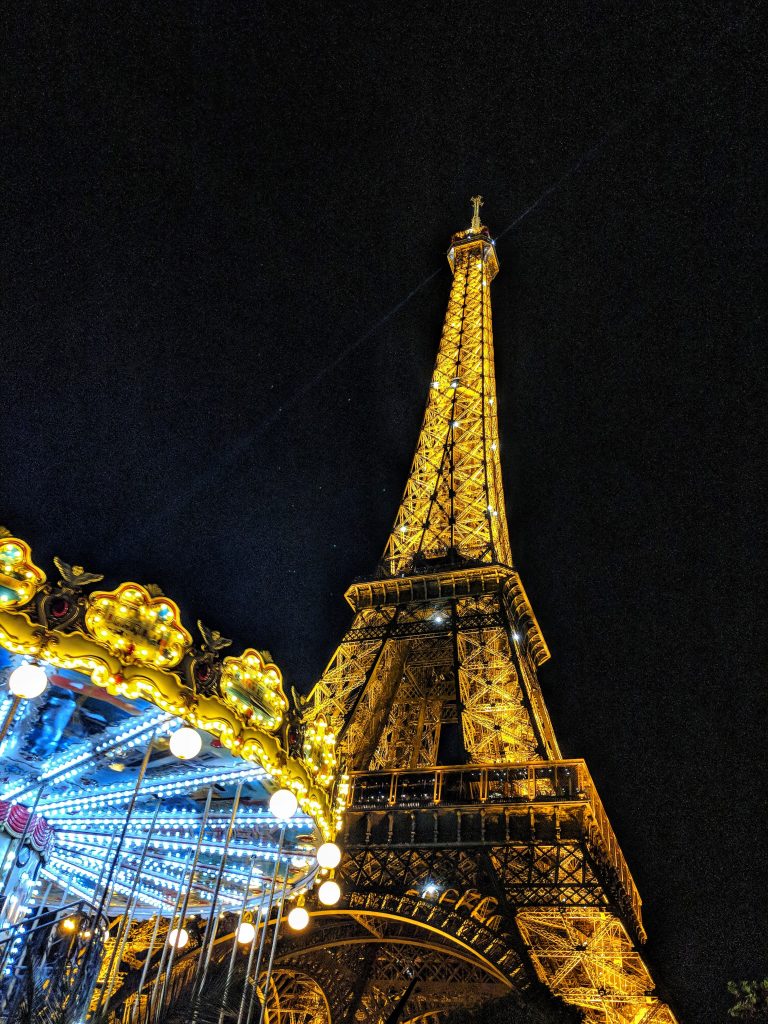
(476, 857)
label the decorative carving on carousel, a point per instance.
(20, 578)
(131, 642)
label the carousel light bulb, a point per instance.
(186, 743)
(28, 680)
(283, 804)
(329, 893)
(246, 933)
(328, 855)
(178, 938)
(298, 919)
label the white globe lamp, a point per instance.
(298, 919)
(186, 743)
(246, 933)
(329, 893)
(28, 680)
(178, 938)
(328, 855)
(283, 804)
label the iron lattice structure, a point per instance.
(476, 857)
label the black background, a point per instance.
(211, 378)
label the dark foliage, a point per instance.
(751, 999)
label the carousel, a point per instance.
(163, 818)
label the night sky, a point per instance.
(223, 251)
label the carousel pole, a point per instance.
(185, 901)
(161, 965)
(145, 968)
(263, 936)
(130, 908)
(103, 902)
(259, 935)
(10, 717)
(212, 924)
(274, 947)
(231, 968)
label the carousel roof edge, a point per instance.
(132, 643)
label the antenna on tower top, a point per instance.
(477, 202)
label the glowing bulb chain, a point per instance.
(170, 784)
(119, 739)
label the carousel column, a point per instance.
(16, 848)
(185, 901)
(231, 967)
(106, 892)
(266, 910)
(211, 927)
(153, 998)
(130, 909)
(145, 968)
(275, 936)
(8, 942)
(283, 805)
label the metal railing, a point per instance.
(49, 963)
(527, 784)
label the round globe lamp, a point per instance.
(329, 893)
(283, 804)
(178, 938)
(298, 919)
(328, 855)
(186, 743)
(28, 680)
(246, 933)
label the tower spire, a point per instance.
(477, 202)
(453, 504)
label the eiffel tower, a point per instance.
(476, 858)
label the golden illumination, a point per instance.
(443, 654)
(255, 688)
(138, 628)
(20, 578)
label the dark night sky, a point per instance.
(206, 208)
